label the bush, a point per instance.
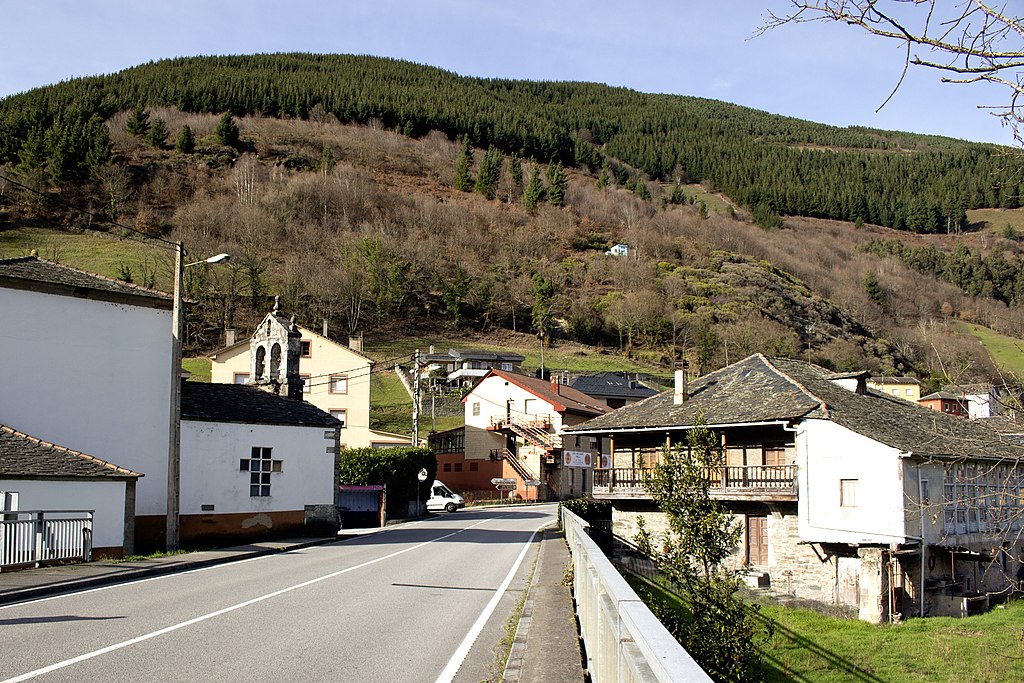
(588, 509)
(396, 468)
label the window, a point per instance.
(895, 392)
(340, 415)
(910, 392)
(476, 409)
(339, 384)
(474, 466)
(241, 378)
(447, 467)
(926, 496)
(259, 466)
(507, 367)
(306, 383)
(305, 348)
(458, 467)
(848, 493)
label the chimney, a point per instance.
(355, 342)
(325, 327)
(554, 384)
(229, 336)
(679, 393)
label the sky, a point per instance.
(827, 73)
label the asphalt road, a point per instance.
(426, 602)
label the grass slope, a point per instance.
(1007, 352)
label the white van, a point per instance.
(442, 498)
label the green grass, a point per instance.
(1007, 352)
(199, 368)
(996, 220)
(98, 253)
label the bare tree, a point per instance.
(969, 41)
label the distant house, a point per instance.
(254, 464)
(845, 496)
(907, 388)
(984, 400)
(335, 377)
(462, 367)
(37, 475)
(86, 363)
(614, 389)
(946, 402)
(618, 250)
(518, 420)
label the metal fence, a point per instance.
(624, 640)
(32, 537)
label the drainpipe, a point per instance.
(924, 546)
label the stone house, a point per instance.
(845, 496)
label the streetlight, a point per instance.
(174, 449)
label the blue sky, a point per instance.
(820, 72)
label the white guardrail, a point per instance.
(625, 642)
(31, 537)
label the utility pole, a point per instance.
(416, 399)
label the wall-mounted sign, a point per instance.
(577, 458)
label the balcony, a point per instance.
(747, 482)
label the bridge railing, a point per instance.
(31, 537)
(623, 639)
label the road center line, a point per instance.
(232, 608)
(452, 668)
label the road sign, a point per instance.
(532, 482)
(503, 481)
(422, 476)
(506, 487)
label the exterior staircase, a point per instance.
(518, 465)
(534, 433)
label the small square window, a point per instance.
(458, 467)
(474, 466)
(241, 378)
(339, 384)
(476, 410)
(340, 415)
(305, 348)
(848, 493)
(307, 383)
(910, 392)
(447, 467)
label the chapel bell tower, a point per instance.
(274, 352)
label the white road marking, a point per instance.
(452, 668)
(232, 608)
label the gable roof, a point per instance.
(201, 401)
(761, 390)
(35, 274)
(611, 385)
(26, 457)
(566, 400)
(306, 332)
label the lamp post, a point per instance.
(174, 449)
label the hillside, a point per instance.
(364, 226)
(762, 161)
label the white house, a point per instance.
(845, 496)
(254, 465)
(519, 420)
(36, 475)
(86, 363)
(336, 378)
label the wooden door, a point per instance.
(757, 541)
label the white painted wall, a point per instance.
(92, 376)
(828, 453)
(210, 475)
(105, 497)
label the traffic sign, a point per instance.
(503, 481)
(532, 482)
(506, 487)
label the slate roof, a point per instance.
(759, 389)
(26, 457)
(611, 385)
(567, 400)
(29, 272)
(886, 379)
(242, 403)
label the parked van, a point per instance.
(442, 498)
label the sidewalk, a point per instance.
(546, 646)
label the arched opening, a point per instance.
(261, 362)
(275, 361)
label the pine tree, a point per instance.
(515, 167)
(186, 143)
(602, 180)
(558, 181)
(464, 167)
(872, 287)
(138, 122)
(490, 173)
(157, 134)
(533, 194)
(227, 131)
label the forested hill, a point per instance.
(763, 161)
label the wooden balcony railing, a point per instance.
(749, 478)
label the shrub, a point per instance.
(396, 468)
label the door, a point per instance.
(757, 541)
(848, 569)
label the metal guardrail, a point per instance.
(31, 537)
(625, 642)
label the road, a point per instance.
(425, 602)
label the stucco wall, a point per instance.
(105, 497)
(210, 474)
(92, 376)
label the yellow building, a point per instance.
(907, 388)
(336, 379)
